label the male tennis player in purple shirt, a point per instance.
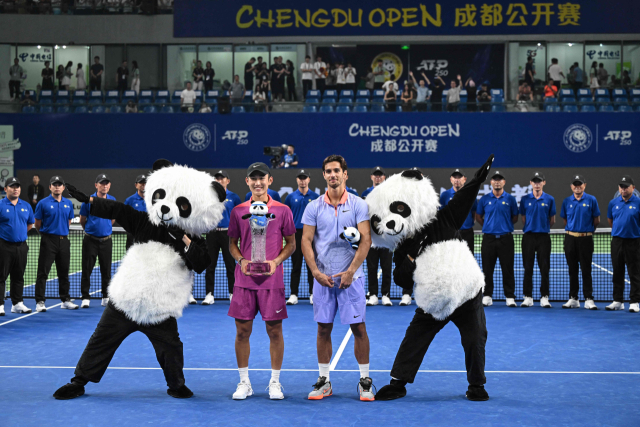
(337, 271)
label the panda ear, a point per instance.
(219, 189)
(345, 228)
(412, 174)
(161, 163)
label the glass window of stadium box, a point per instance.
(148, 59)
(631, 63)
(292, 52)
(221, 58)
(113, 57)
(75, 54)
(180, 62)
(567, 54)
(609, 54)
(518, 54)
(243, 53)
(32, 59)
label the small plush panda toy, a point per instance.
(405, 217)
(154, 280)
(259, 210)
(351, 235)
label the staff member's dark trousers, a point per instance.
(92, 248)
(467, 236)
(470, 320)
(625, 252)
(13, 261)
(384, 257)
(307, 85)
(502, 248)
(579, 254)
(113, 328)
(536, 245)
(296, 267)
(95, 84)
(219, 240)
(14, 88)
(58, 249)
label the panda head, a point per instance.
(401, 206)
(258, 208)
(182, 197)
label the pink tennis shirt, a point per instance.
(279, 227)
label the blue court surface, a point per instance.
(544, 367)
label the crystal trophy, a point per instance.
(258, 265)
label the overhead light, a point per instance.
(569, 44)
(600, 44)
(64, 47)
(39, 46)
(57, 47)
(539, 44)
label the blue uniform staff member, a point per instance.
(97, 243)
(136, 201)
(581, 216)
(290, 159)
(497, 212)
(53, 218)
(381, 256)
(218, 240)
(538, 210)
(16, 219)
(297, 202)
(458, 178)
(624, 219)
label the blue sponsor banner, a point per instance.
(394, 140)
(273, 18)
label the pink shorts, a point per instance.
(271, 303)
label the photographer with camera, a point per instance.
(484, 98)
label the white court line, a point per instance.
(610, 272)
(336, 358)
(431, 371)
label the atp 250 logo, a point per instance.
(624, 136)
(241, 136)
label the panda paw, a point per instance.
(483, 172)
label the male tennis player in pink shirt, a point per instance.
(263, 293)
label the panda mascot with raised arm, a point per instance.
(154, 280)
(448, 281)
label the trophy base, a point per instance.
(258, 268)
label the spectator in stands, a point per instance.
(68, 73)
(471, 95)
(131, 107)
(407, 97)
(263, 74)
(378, 71)
(614, 83)
(484, 98)
(15, 78)
(603, 75)
(198, 76)
(555, 73)
(290, 73)
(35, 192)
(204, 108)
(277, 79)
(187, 98)
(95, 77)
(320, 71)
(593, 84)
(237, 90)
(390, 103)
(122, 76)
(135, 80)
(81, 82)
(594, 68)
(525, 93)
(340, 78)
(307, 75)
(391, 84)
(60, 76)
(331, 82)
(453, 95)
(260, 97)
(259, 64)
(551, 90)
(529, 73)
(626, 80)
(436, 93)
(27, 99)
(578, 77)
(422, 92)
(47, 77)
(370, 80)
(571, 77)
(350, 76)
(249, 73)
(209, 74)
(290, 159)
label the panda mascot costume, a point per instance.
(448, 281)
(154, 280)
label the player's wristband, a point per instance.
(239, 262)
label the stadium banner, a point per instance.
(275, 18)
(429, 140)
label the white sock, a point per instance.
(364, 370)
(324, 370)
(244, 374)
(275, 376)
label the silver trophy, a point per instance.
(258, 217)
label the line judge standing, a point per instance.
(581, 216)
(624, 219)
(53, 217)
(458, 178)
(96, 243)
(497, 213)
(16, 219)
(136, 201)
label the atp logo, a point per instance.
(624, 136)
(439, 65)
(241, 136)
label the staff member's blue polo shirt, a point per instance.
(497, 213)
(580, 213)
(136, 202)
(625, 216)
(273, 193)
(55, 215)
(352, 191)
(366, 192)
(14, 220)
(537, 212)
(298, 202)
(446, 196)
(231, 201)
(96, 227)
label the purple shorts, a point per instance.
(351, 302)
(246, 303)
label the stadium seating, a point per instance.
(330, 94)
(237, 109)
(312, 101)
(29, 109)
(566, 94)
(606, 108)
(129, 95)
(62, 109)
(326, 109)
(463, 100)
(46, 97)
(550, 108)
(32, 94)
(95, 97)
(347, 94)
(347, 101)
(149, 109)
(570, 108)
(312, 94)
(80, 109)
(79, 97)
(568, 100)
(377, 108)
(635, 96)
(584, 93)
(499, 108)
(343, 109)
(363, 94)
(625, 108)
(603, 93)
(98, 109)
(162, 97)
(309, 109)
(116, 109)
(167, 109)
(551, 100)
(360, 109)
(588, 109)
(378, 95)
(112, 97)
(364, 101)
(497, 92)
(146, 97)
(584, 100)
(46, 109)
(620, 101)
(62, 97)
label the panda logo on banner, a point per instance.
(578, 138)
(196, 137)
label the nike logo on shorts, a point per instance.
(356, 316)
(278, 311)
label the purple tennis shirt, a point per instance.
(279, 227)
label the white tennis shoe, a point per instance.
(590, 305)
(487, 301)
(208, 300)
(293, 300)
(528, 302)
(68, 305)
(544, 302)
(572, 303)
(40, 307)
(2, 309)
(105, 302)
(373, 300)
(19, 308)
(311, 299)
(243, 391)
(614, 306)
(406, 300)
(633, 308)
(85, 303)
(192, 300)
(275, 390)
(511, 302)
(386, 301)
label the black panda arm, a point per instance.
(129, 218)
(198, 256)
